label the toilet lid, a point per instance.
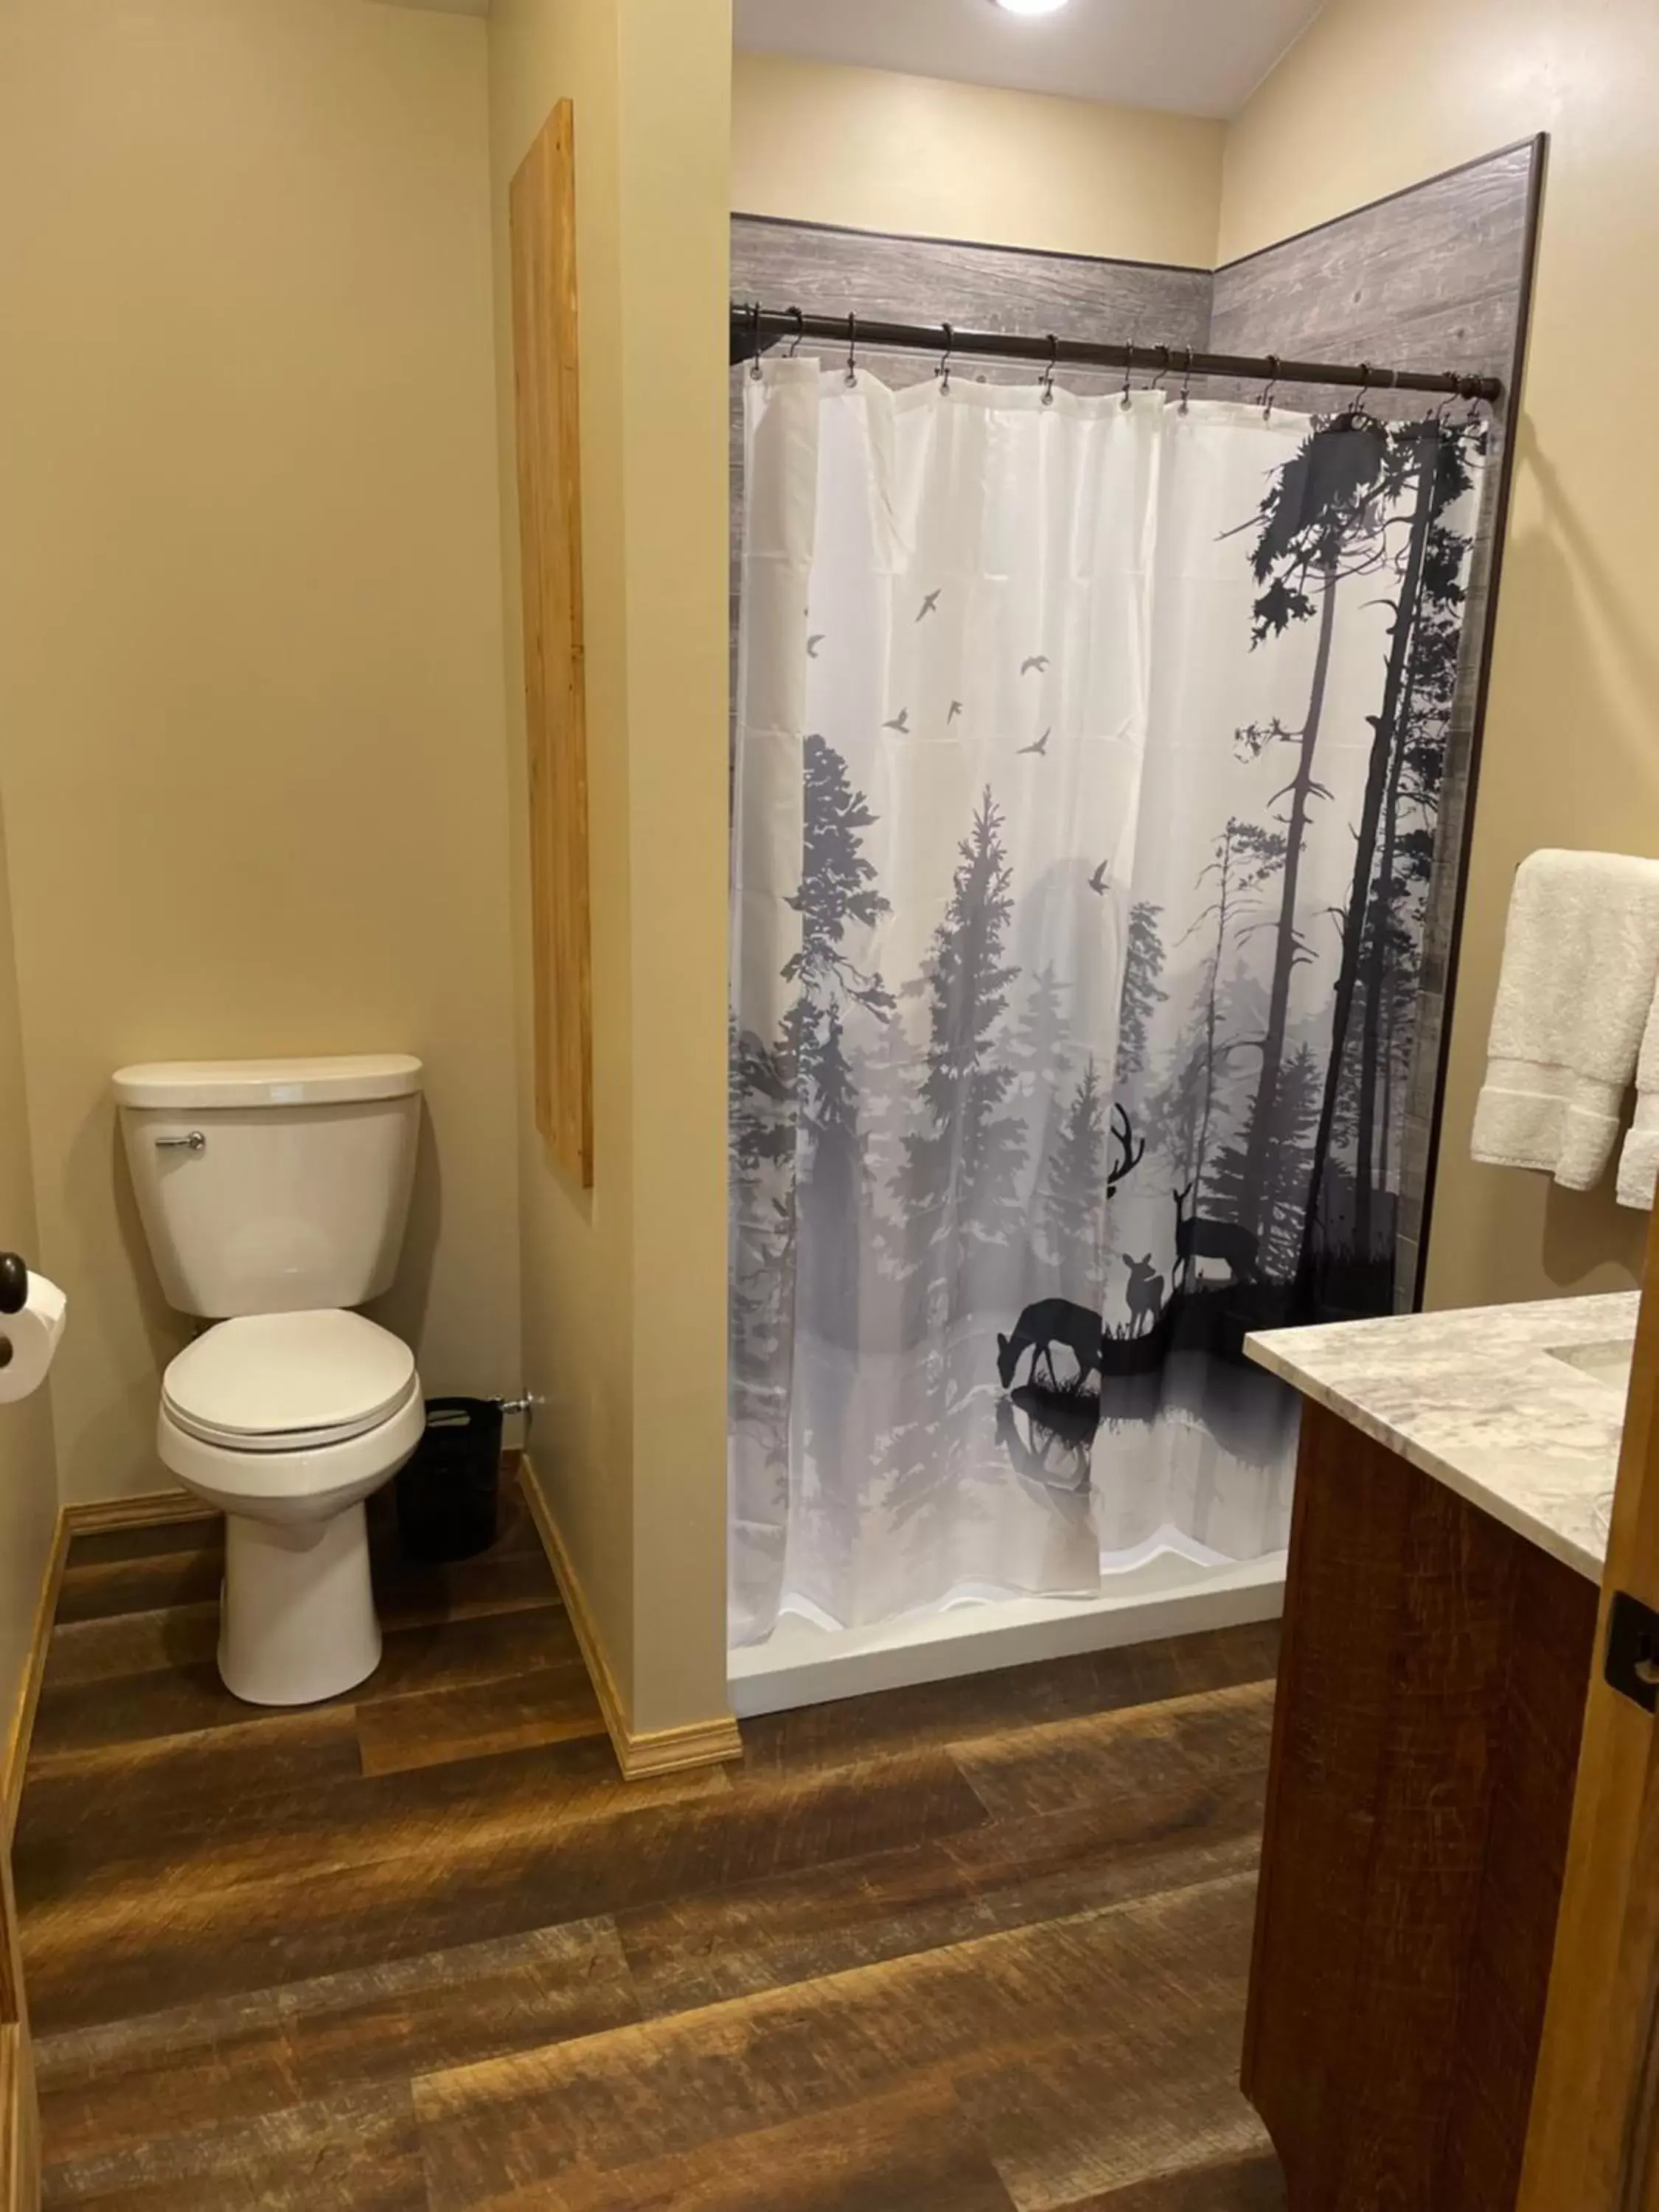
(282, 1382)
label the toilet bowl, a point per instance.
(286, 1422)
(273, 1195)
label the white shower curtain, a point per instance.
(1055, 720)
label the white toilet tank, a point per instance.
(272, 1186)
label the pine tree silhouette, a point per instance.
(762, 1142)
(1143, 994)
(837, 890)
(1423, 474)
(1074, 1190)
(837, 884)
(1280, 1199)
(1314, 528)
(1245, 857)
(1042, 1055)
(961, 1173)
(1040, 1051)
(797, 1183)
(832, 1191)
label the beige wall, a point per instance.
(876, 151)
(28, 1487)
(624, 1287)
(250, 622)
(1374, 98)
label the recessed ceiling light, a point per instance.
(1030, 7)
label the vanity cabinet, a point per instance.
(1431, 1699)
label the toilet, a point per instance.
(274, 1194)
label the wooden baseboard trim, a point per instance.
(20, 2148)
(668, 1750)
(28, 1690)
(151, 1509)
(639, 1752)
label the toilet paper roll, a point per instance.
(28, 1340)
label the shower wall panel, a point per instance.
(1436, 277)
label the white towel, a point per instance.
(1638, 1163)
(1581, 961)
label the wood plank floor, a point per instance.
(975, 1947)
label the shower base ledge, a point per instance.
(802, 1664)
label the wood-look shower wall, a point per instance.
(1433, 277)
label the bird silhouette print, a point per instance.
(956, 708)
(1041, 746)
(901, 722)
(929, 605)
(1097, 881)
(1037, 660)
(812, 644)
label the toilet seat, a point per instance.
(300, 1486)
(287, 1383)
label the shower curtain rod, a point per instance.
(754, 328)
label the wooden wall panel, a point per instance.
(1437, 275)
(20, 2121)
(543, 213)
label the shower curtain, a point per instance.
(1087, 767)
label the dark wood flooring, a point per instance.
(975, 1947)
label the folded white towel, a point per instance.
(1581, 961)
(1638, 1163)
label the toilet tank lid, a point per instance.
(334, 1081)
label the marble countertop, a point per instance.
(1479, 1400)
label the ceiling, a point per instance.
(1188, 56)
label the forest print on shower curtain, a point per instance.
(1087, 788)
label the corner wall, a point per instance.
(1369, 101)
(872, 149)
(250, 650)
(28, 1487)
(624, 1286)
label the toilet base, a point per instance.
(297, 1621)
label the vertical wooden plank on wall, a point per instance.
(542, 208)
(20, 2147)
(1592, 2138)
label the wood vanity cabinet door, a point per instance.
(1430, 1686)
(1594, 2140)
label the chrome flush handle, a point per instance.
(195, 1142)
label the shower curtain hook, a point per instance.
(800, 333)
(1471, 419)
(1128, 371)
(852, 349)
(1048, 373)
(1186, 383)
(755, 369)
(1360, 412)
(1271, 386)
(945, 361)
(1165, 358)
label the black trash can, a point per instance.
(448, 1493)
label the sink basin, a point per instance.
(1602, 1363)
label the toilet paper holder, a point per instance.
(32, 1311)
(14, 1295)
